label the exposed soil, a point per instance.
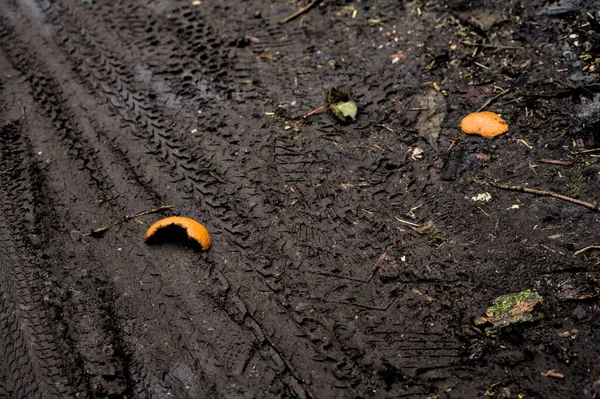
(315, 286)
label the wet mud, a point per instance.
(316, 284)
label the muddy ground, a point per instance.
(316, 285)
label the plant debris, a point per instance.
(545, 193)
(510, 309)
(582, 250)
(341, 105)
(434, 236)
(424, 227)
(553, 374)
(299, 12)
(99, 232)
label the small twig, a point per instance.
(556, 162)
(582, 250)
(384, 126)
(366, 306)
(586, 151)
(423, 228)
(23, 114)
(452, 144)
(484, 212)
(491, 100)
(299, 12)
(406, 222)
(544, 193)
(149, 211)
(547, 248)
(100, 231)
(493, 46)
(314, 111)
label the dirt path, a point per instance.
(315, 287)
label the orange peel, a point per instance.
(486, 124)
(193, 229)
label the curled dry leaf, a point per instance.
(194, 230)
(486, 124)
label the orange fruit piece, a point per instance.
(194, 230)
(486, 124)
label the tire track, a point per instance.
(90, 356)
(174, 384)
(163, 146)
(151, 385)
(105, 370)
(31, 361)
(134, 109)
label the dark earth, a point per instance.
(319, 284)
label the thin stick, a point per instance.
(582, 250)
(299, 12)
(384, 126)
(100, 231)
(492, 46)
(556, 162)
(149, 211)
(314, 111)
(406, 222)
(544, 193)
(23, 114)
(491, 100)
(586, 151)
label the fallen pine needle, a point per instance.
(582, 250)
(544, 193)
(299, 12)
